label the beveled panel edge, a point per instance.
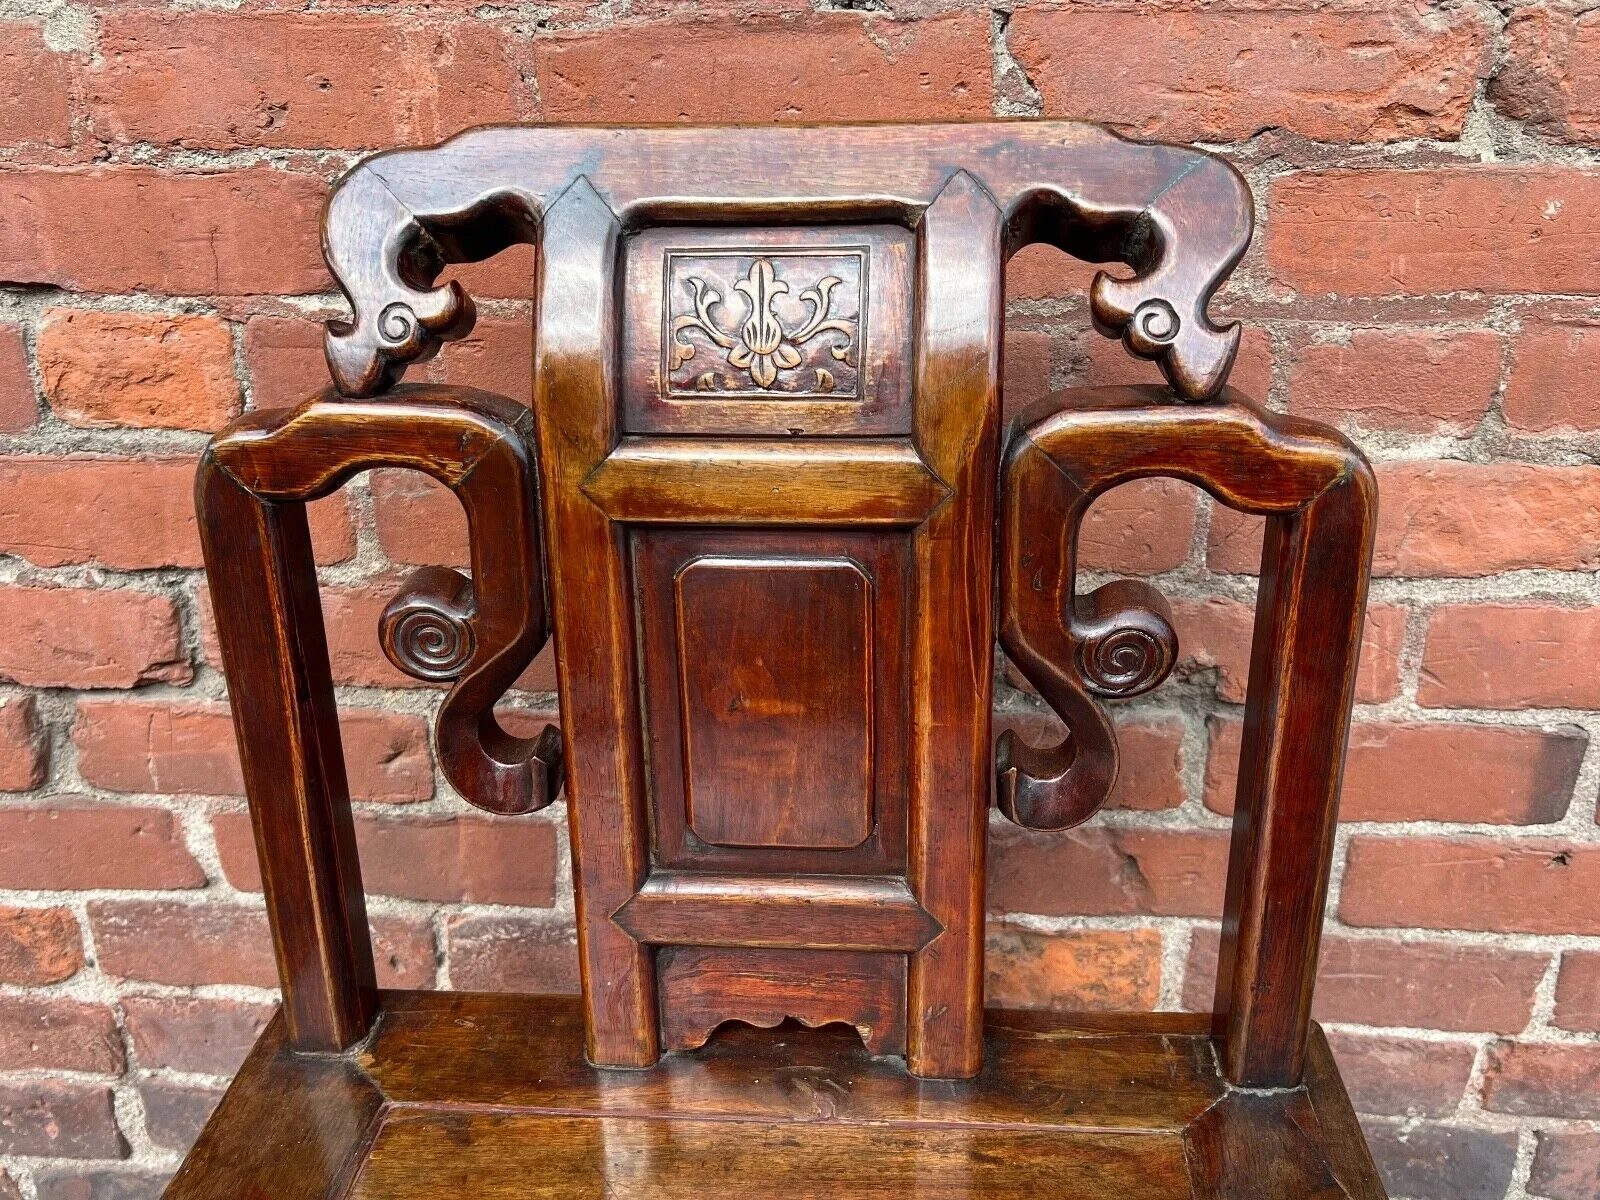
(761, 481)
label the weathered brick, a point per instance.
(69, 843)
(1551, 389)
(1551, 74)
(59, 1120)
(190, 944)
(419, 520)
(1442, 1162)
(1489, 229)
(498, 354)
(1215, 635)
(1223, 76)
(151, 370)
(84, 638)
(1401, 1077)
(474, 859)
(189, 1033)
(1099, 361)
(512, 954)
(1499, 774)
(1413, 380)
(1140, 528)
(1566, 1165)
(1532, 886)
(812, 66)
(1150, 769)
(1578, 991)
(24, 749)
(1533, 1079)
(1100, 871)
(54, 1033)
(1510, 656)
(138, 228)
(175, 1113)
(35, 88)
(57, 511)
(1026, 362)
(39, 945)
(285, 359)
(1105, 970)
(19, 405)
(346, 80)
(100, 1185)
(188, 748)
(1418, 985)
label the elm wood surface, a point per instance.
(464, 1094)
(753, 501)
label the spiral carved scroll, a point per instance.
(426, 630)
(1126, 643)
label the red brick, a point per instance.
(188, 1033)
(1551, 76)
(1552, 386)
(827, 66)
(1225, 76)
(137, 228)
(1107, 871)
(1533, 886)
(19, 406)
(54, 1033)
(1100, 970)
(1402, 1076)
(1042, 272)
(189, 749)
(59, 1120)
(473, 859)
(1578, 991)
(149, 370)
(1510, 656)
(24, 750)
(285, 359)
(419, 520)
(1027, 369)
(1150, 771)
(8, 1187)
(345, 80)
(1417, 381)
(61, 844)
(35, 88)
(512, 954)
(1566, 1165)
(215, 943)
(1531, 1079)
(1102, 362)
(79, 637)
(1498, 774)
(498, 354)
(1444, 229)
(175, 1113)
(1426, 1161)
(1140, 528)
(39, 945)
(1216, 635)
(1418, 985)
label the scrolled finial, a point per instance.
(426, 630)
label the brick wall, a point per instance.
(1427, 275)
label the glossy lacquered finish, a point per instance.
(760, 498)
(489, 1096)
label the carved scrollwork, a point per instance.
(1126, 643)
(426, 630)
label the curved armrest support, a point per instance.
(1320, 500)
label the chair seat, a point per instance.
(489, 1097)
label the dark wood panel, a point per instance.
(703, 986)
(420, 1156)
(775, 687)
(660, 558)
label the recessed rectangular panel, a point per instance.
(776, 699)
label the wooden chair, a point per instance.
(754, 499)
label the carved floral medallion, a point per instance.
(785, 324)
